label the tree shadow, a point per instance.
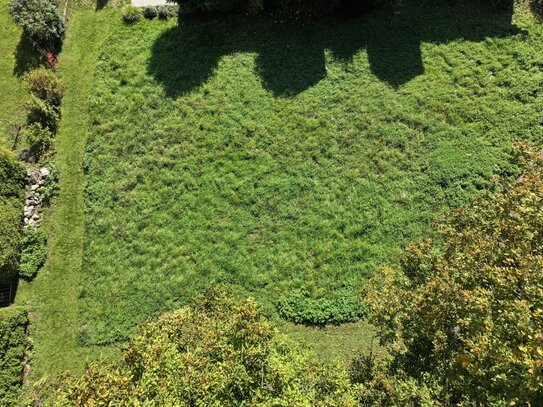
(291, 55)
(27, 56)
(100, 4)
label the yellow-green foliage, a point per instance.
(465, 312)
(13, 322)
(217, 352)
(12, 179)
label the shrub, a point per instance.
(40, 21)
(165, 12)
(43, 114)
(132, 14)
(33, 252)
(217, 352)
(44, 84)
(301, 308)
(12, 181)
(39, 138)
(50, 187)
(464, 314)
(13, 323)
(150, 12)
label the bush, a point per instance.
(13, 323)
(33, 252)
(39, 138)
(40, 21)
(150, 12)
(217, 352)
(44, 84)
(464, 314)
(132, 14)
(42, 113)
(12, 181)
(165, 12)
(301, 308)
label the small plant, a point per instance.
(50, 187)
(301, 308)
(33, 252)
(132, 14)
(165, 12)
(43, 113)
(150, 12)
(39, 138)
(40, 21)
(45, 85)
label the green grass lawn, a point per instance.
(277, 157)
(268, 156)
(13, 95)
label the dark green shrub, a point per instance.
(33, 252)
(301, 308)
(13, 342)
(150, 12)
(12, 175)
(165, 12)
(45, 85)
(39, 138)
(41, 22)
(42, 113)
(132, 14)
(12, 181)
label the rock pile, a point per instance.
(32, 208)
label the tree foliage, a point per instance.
(464, 313)
(217, 352)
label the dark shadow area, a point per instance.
(100, 4)
(27, 56)
(291, 54)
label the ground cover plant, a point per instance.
(288, 158)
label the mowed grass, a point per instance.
(12, 93)
(274, 157)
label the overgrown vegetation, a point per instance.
(291, 158)
(40, 21)
(33, 252)
(12, 181)
(463, 317)
(217, 352)
(13, 342)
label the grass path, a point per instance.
(12, 92)
(53, 294)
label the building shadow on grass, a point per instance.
(291, 55)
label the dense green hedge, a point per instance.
(12, 181)
(13, 323)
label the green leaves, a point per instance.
(464, 312)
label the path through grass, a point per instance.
(53, 294)
(13, 95)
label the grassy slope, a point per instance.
(13, 95)
(276, 156)
(53, 294)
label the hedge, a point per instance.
(12, 181)
(13, 323)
